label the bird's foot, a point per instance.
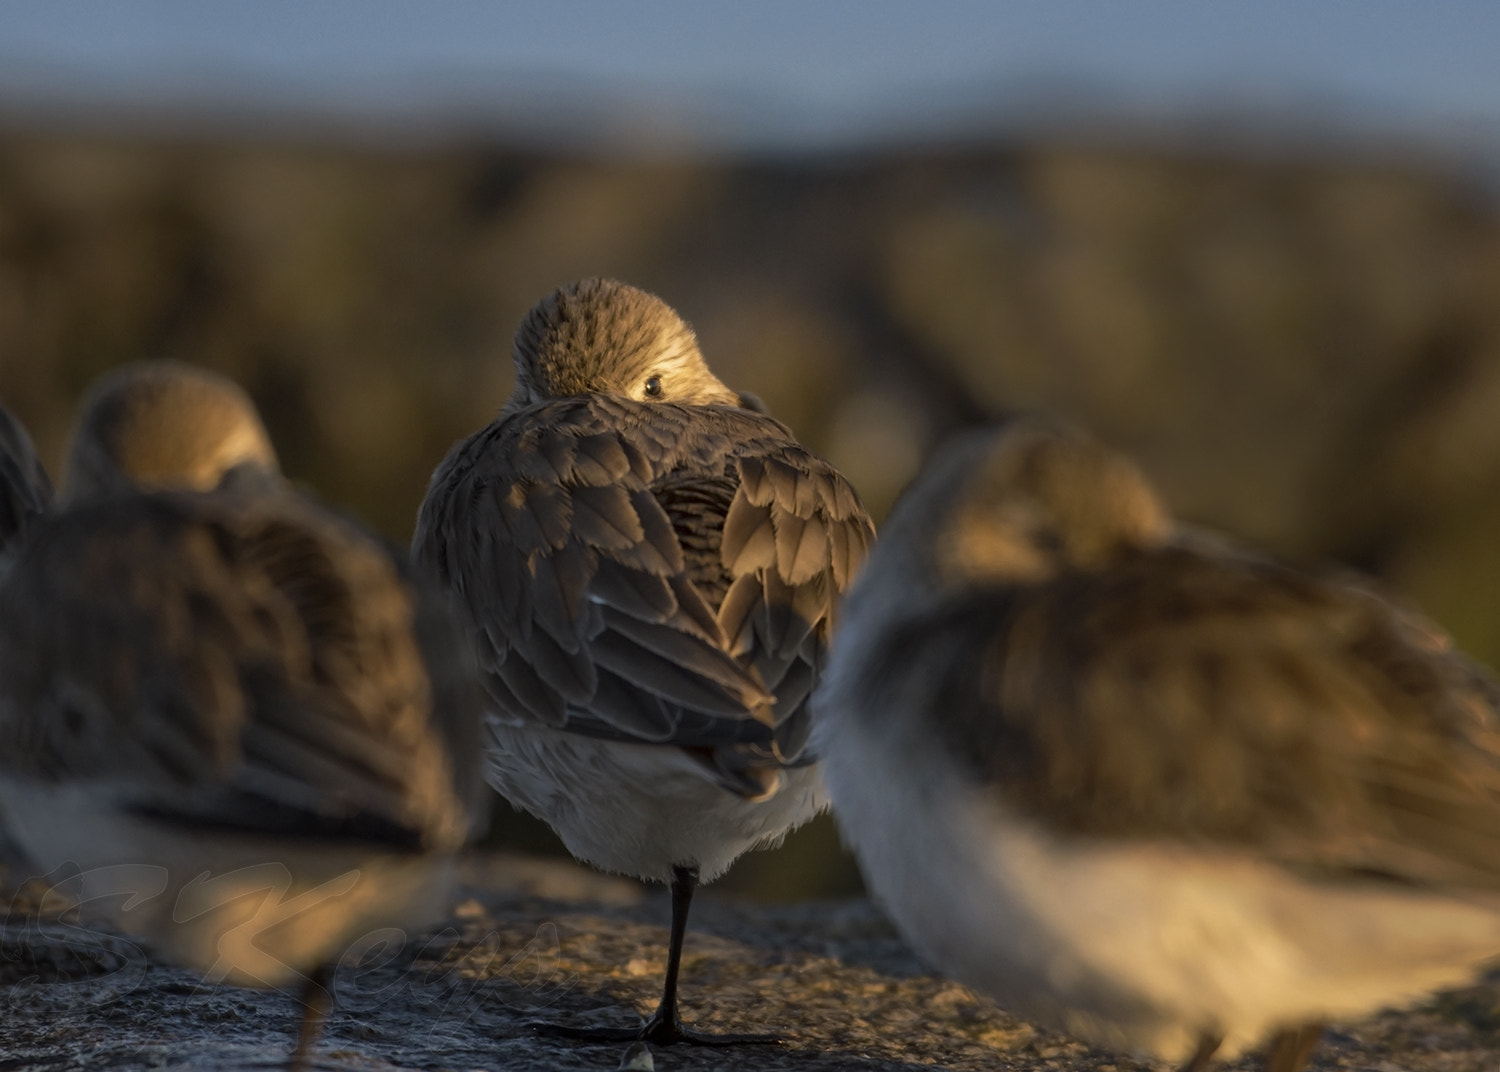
(660, 1030)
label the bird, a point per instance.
(26, 493)
(1146, 785)
(232, 719)
(161, 425)
(651, 566)
(25, 489)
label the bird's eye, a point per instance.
(653, 387)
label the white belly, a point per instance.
(640, 809)
(246, 910)
(1137, 946)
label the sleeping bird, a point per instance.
(1144, 785)
(231, 714)
(651, 566)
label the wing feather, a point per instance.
(692, 556)
(1193, 697)
(570, 674)
(536, 699)
(659, 550)
(636, 713)
(689, 652)
(605, 518)
(750, 540)
(666, 679)
(559, 590)
(183, 651)
(647, 596)
(603, 459)
(737, 613)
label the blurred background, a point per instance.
(1256, 245)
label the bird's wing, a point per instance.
(647, 572)
(794, 536)
(25, 490)
(1224, 701)
(238, 661)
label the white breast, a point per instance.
(244, 909)
(1134, 945)
(638, 809)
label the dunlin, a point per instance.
(231, 713)
(651, 564)
(1146, 786)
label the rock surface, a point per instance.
(532, 939)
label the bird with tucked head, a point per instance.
(1144, 785)
(652, 567)
(242, 722)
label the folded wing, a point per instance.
(648, 573)
(1192, 697)
(237, 661)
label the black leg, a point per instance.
(1290, 1049)
(665, 1026)
(317, 1001)
(1208, 1045)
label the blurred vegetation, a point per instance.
(1303, 352)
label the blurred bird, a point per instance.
(166, 425)
(231, 714)
(25, 495)
(1144, 786)
(651, 565)
(25, 490)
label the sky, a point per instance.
(769, 72)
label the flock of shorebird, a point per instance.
(1133, 780)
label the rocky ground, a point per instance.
(531, 939)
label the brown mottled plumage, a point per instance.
(648, 573)
(242, 661)
(25, 490)
(1284, 790)
(651, 565)
(230, 702)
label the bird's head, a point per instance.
(164, 425)
(1021, 503)
(603, 336)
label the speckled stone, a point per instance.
(532, 939)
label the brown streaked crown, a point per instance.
(601, 336)
(1048, 497)
(163, 424)
(1033, 500)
